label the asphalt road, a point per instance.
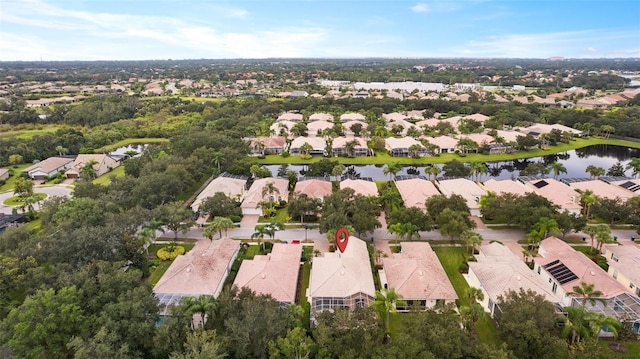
(52, 191)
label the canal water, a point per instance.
(575, 161)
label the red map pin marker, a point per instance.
(342, 238)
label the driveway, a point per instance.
(51, 191)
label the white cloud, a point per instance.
(591, 49)
(420, 7)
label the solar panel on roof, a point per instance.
(627, 185)
(560, 272)
(541, 184)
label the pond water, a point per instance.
(121, 151)
(575, 161)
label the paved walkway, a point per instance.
(58, 190)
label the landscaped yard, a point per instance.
(18, 201)
(451, 259)
(11, 181)
(158, 271)
(105, 179)
(281, 216)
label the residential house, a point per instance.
(274, 274)
(352, 117)
(11, 220)
(399, 147)
(555, 191)
(341, 280)
(500, 187)
(232, 186)
(360, 186)
(497, 271)
(631, 184)
(417, 275)
(267, 145)
(48, 168)
(339, 146)
(624, 265)
(318, 145)
(601, 189)
(201, 271)
(254, 196)
(290, 116)
(102, 164)
(444, 144)
(416, 191)
(314, 188)
(468, 189)
(562, 268)
(282, 128)
(317, 128)
(321, 117)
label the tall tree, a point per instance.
(634, 165)
(587, 293)
(557, 168)
(175, 216)
(392, 169)
(385, 302)
(218, 224)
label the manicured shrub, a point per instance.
(235, 219)
(169, 253)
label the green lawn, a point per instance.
(282, 216)
(162, 267)
(10, 184)
(304, 284)
(105, 179)
(451, 258)
(129, 141)
(27, 134)
(383, 158)
(633, 350)
(17, 200)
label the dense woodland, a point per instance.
(77, 287)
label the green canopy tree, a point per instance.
(385, 302)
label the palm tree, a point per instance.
(591, 231)
(603, 236)
(557, 168)
(607, 130)
(414, 150)
(260, 232)
(386, 301)
(61, 150)
(260, 146)
(478, 169)
(218, 159)
(576, 324)
(391, 169)
(587, 200)
(595, 172)
(587, 293)
(337, 171)
(634, 164)
(203, 304)
(270, 189)
(471, 240)
(218, 224)
(306, 148)
(466, 144)
(475, 295)
(432, 170)
(87, 171)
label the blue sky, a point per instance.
(187, 29)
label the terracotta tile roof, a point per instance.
(552, 249)
(603, 189)
(201, 271)
(289, 116)
(628, 263)
(416, 273)
(50, 164)
(416, 191)
(321, 117)
(275, 274)
(342, 274)
(314, 188)
(506, 186)
(365, 188)
(254, 195)
(557, 192)
(232, 187)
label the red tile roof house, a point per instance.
(603, 189)
(201, 271)
(557, 192)
(416, 191)
(562, 268)
(417, 275)
(282, 128)
(289, 116)
(341, 280)
(321, 117)
(318, 145)
(272, 145)
(445, 144)
(314, 188)
(104, 163)
(363, 187)
(274, 274)
(352, 117)
(338, 146)
(253, 197)
(500, 187)
(316, 128)
(468, 189)
(399, 147)
(48, 168)
(230, 186)
(497, 271)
